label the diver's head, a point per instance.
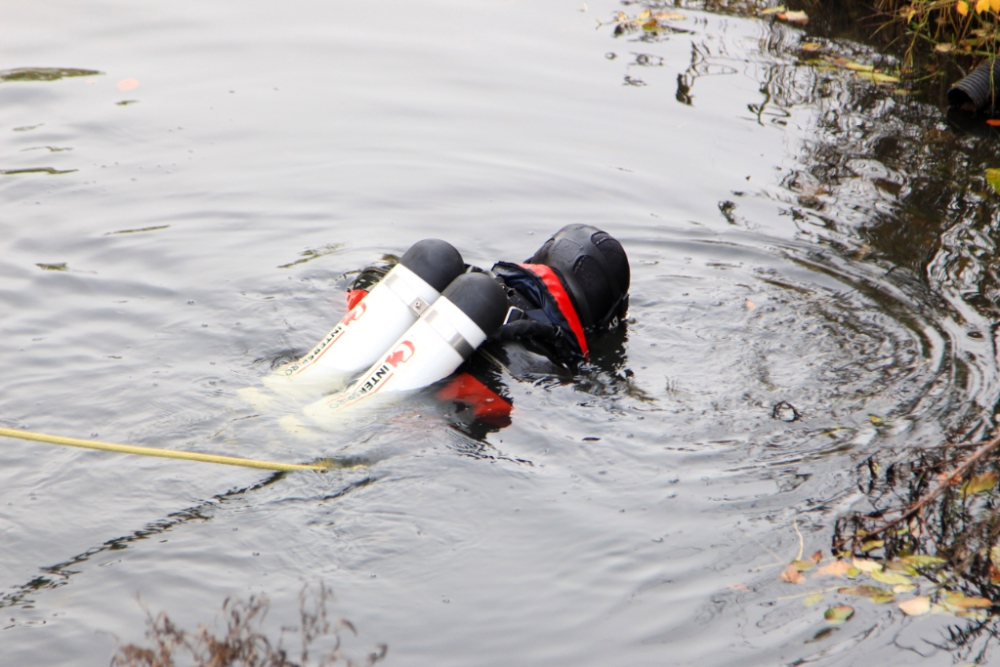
(594, 269)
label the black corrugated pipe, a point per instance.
(979, 89)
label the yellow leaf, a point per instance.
(872, 544)
(980, 483)
(944, 47)
(839, 614)
(890, 577)
(993, 178)
(982, 6)
(878, 77)
(963, 602)
(916, 606)
(899, 566)
(815, 46)
(773, 10)
(962, 7)
(866, 565)
(802, 565)
(924, 561)
(995, 551)
(674, 16)
(902, 588)
(813, 599)
(995, 5)
(858, 67)
(644, 15)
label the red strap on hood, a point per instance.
(558, 292)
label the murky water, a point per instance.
(799, 239)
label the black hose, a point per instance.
(979, 89)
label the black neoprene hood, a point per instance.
(593, 267)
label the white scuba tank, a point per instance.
(368, 329)
(468, 311)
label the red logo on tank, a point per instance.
(400, 354)
(354, 314)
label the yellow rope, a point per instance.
(152, 451)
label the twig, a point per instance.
(958, 473)
(802, 543)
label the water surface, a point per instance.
(163, 244)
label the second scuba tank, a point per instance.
(371, 326)
(469, 310)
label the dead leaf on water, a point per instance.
(960, 601)
(839, 614)
(866, 565)
(52, 267)
(837, 568)
(916, 606)
(128, 84)
(902, 589)
(796, 17)
(981, 483)
(792, 575)
(855, 67)
(919, 560)
(893, 578)
(878, 77)
(749, 304)
(901, 567)
(773, 10)
(811, 46)
(873, 593)
(812, 600)
(993, 178)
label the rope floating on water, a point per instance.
(163, 453)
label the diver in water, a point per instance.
(431, 320)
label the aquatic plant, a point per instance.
(244, 642)
(961, 26)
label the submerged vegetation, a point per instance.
(244, 642)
